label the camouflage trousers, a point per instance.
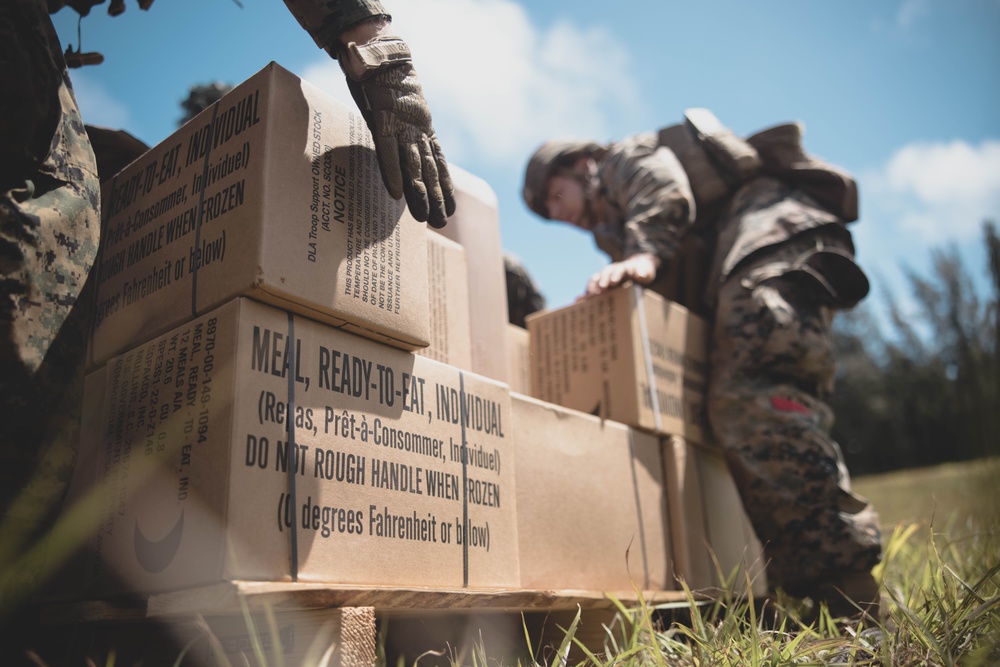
(49, 233)
(772, 364)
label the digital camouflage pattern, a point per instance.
(324, 20)
(762, 214)
(643, 201)
(772, 366)
(49, 233)
(49, 237)
(640, 202)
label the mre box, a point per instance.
(628, 355)
(591, 501)
(712, 536)
(253, 444)
(273, 192)
(518, 359)
(476, 227)
(448, 305)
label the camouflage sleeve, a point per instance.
(647, 183)
(324, 20)
(31, 66)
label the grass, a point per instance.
(952, 492)
(940, 578)
(942, 598)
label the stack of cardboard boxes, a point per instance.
(293, 380)
(256, 409)
(633, 357)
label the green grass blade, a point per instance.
(567, 642)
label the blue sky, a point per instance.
(905, 94)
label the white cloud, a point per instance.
(498, 86)
(938, 191)
(97, 106)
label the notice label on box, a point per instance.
(273, 192)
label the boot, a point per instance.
(851, 594)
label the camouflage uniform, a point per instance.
(49, 231)
(643, 204)
(782, 265)
(49, 235)
(324, 20)
(771, 368)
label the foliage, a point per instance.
(927, 391)
(201, 97)
(942, 599)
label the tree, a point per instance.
(201, 97)
(929, 391)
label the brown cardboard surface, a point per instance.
(711, 532)
(272, 192)
(476, 226)
(598, 356)
(252, 444)
(591, 502)
(518, 359)
(448, 282)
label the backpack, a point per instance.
(717, 162)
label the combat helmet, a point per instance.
(546, 161)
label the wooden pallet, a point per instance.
(315, 622)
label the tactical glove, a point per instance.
(79, 58)
(82, 7)
(382, 80)
(118, 6)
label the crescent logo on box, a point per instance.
(155, 556)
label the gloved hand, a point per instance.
(639, 268)
(118, 6)
(82, 7)
(384, 84)
(79, 58)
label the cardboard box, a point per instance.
(447, 280)
(253, 444)
(518, 359)
(273, 192)
(712, 536)
(476, 226)
(591, 502)
(602, 355)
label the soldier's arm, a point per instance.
(383, 82)
(327, 20)
(648, 184)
